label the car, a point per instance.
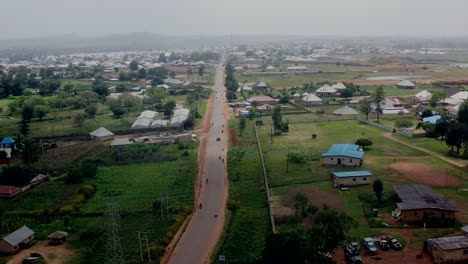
(395, 244)
(384, 245)
(351, 252)
(218, 139)
(370, 246)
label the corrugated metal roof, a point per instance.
(7, 140)
(450, 243)
(346, 150)
(406, 83)
(348, 174)
(18, 236)
(101, 132)
(416, 196)
(346, 110)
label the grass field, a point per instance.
(248, 223)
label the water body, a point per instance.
(397, 77)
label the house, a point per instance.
(326, 91)
(432, 119)
(121, 142)
(7, 142)
(339, 86)
(173, 82)
(448, 249)
(160, 123)
(57, 237)
(148, 114)
(462, 96)
(343, 155)
(261, 86)
(423, 96)
(311, 99)
(389, 108)
(406, 84)
(13, 242)
(350, 178)
(180, 115)
(419, 204)
(101, 134)
(142, 123)
(263, 100)
(345, 111)
(9, 191)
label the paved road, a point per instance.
(204, 228)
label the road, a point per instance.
(204, 229)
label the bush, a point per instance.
(74, 175)
(296, 157)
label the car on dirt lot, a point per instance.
(384, 244)
(351, 252)
(395, 244)
(218, 139)
(370, 246)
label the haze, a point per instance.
(32, 18)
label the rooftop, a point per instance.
(346, 150)
(432, 119)
(7, 140)
(450, 243)
(346, 110)
(121, 142)
(416, 196)
(406, 83)
(349, 174)
(101, 132)
(18, 236)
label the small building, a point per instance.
(343, 155)
(121, 142)
(261, 86)
(448, 249)
(148, 114)
(350, 178)
(38, 179)
(345, 111)
(423, 96)
(326, 91)
(7, 142)
(57, 237)
(160, 123)
(180, 115)
(9, 191)
(431, 119)
(13, 242)
(262, 100)
(420, 205)
(339, 86)
(142, 123)
(406, 84)
(101, 134)
(311, 100)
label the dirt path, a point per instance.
(52, 254)
(434, 154)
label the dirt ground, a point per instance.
(425, 174)
(318, 197)
(53, 254)
(387, 257)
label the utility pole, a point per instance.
(114, 254)
(164, 205)
(143, 236)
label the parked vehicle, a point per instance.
(370, 246)
(351, 252)
(395, 244)
(34, 257)
(384, 244)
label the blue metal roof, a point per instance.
(346, 150)
(432, 119)
(348, 174)
(7, 140)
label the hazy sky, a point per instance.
(24, 18)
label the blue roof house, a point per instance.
(343, 155)
(432, 119)
(7, 142)
(350, 178)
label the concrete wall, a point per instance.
(417, 216)
(341, 161)
(448, 256)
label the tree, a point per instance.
(162, 58)
(31, 151)
(403, 123)
(118, 111)
(454, 136)
(284, 248)
(74, 176)
(133, 65)
(15, 176)
(172, 74)
(141, 74)
(100, 87)
(366, 107)
(128, 101)
(121, 88)
(301, 203)
(78, 119)
(364, 143)
(346, 93)
(277, 117)
(437, 97)
(40, 111)
(230, 96)
(201, 70)
(26, 116)
(189, 71)
(49, 87)
(378, 97)
(90, 111)
(169, 108)
(242, 123)
(377, 186)
(462, 115)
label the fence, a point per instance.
(384, 127)
(265, 175)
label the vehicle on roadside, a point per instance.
(34, 257)
(351, 252)
(384, 244)
(370, 246)
(218, 139)
(395, 244)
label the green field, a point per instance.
(247, 224)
